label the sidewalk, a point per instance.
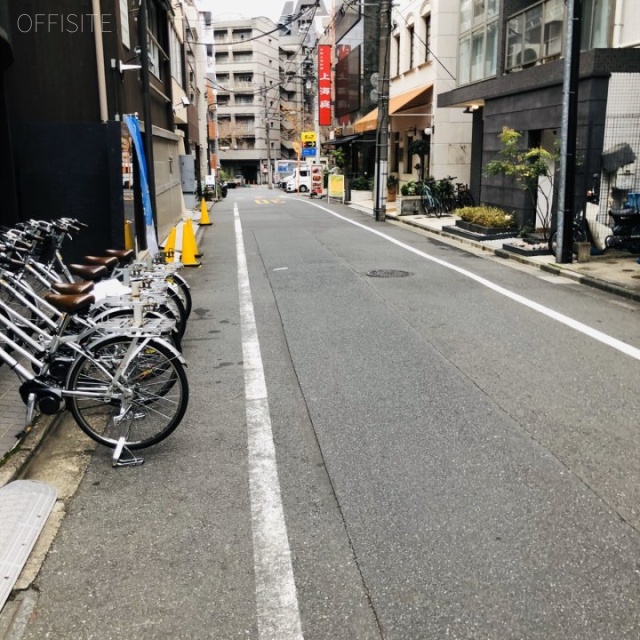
(616, 272)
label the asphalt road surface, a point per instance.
(450, 453)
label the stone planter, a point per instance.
(527, 248)
(478, 232)
(361, 196)
(409, 206)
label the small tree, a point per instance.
(526, 166)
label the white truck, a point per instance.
(299, 181)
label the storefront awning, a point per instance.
(401, 102)
(343, 140)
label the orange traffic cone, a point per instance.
(189, 230)
(170, 246)
(204, 215)
(189, 248)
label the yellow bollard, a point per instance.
(128, 235)
(204, 215)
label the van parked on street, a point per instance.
(300, 180)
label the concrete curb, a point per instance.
(17, 460)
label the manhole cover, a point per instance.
(389, 273)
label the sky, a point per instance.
(231, 9)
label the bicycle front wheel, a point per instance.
(156, 379)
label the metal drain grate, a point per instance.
(389, 273)
(25, 506)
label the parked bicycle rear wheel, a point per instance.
(157, 379)
(183, 290)
(579, 235)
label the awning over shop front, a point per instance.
(343, 140)
(407, 100)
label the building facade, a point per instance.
(246, 81)
(64, 133)
(510, 70)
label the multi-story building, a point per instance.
(247, 85)
(63, 130)
(422, 50)
(510, 70)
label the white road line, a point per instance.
(623, 347)
(278, 615)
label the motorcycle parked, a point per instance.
(626, 226)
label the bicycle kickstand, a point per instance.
(122, 455)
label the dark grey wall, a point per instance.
(72, 170)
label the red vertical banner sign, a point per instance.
(324, 85)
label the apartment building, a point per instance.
(510, 70)
(247, 85)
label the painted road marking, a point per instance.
(278, 616)
(623, 347)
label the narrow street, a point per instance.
(448, 453)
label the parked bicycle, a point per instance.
(122, 381)
(431, 205)
(453, 195)
(579, 232)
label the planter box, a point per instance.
(361, 196)
(409, 206)
(524, 248)
(478, 232)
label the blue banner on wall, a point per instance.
(134, 129)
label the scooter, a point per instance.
(626, 226)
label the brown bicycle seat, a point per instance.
(70, 303)
(75, 288)
(123, 255)
(107, 261)
(88, 271)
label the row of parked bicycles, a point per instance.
(101, 339)
(441, 197)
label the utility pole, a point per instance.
(382, 133)
(566, 189)
(266, 134)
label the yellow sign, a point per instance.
(336, 187)
(308, 136)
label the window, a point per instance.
(596, 24)
(175, 51)
(478, 50)
(152, 42)
(411, 38)
(535, 34)
(242, 56)
(222, 58)
(124, 23)
(396, 47)
(427, 37)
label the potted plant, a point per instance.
(392, 187)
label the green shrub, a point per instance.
(361, 183)
(411, 188)
(486, 216)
